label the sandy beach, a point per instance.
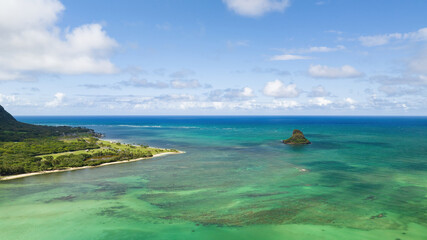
(4, 178)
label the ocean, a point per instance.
(361, 178)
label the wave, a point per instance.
(157, 126)
(139, 126)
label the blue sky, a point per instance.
(230, 57)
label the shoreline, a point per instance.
(23, 175)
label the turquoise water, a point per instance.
(365, 178)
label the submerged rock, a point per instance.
(297, 138)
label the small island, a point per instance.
(27, 149)
(297, 138)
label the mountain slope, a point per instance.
(12, 130)
(5, 117)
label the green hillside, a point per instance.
(12, 130)
(28, 148)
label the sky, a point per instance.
(217, 57)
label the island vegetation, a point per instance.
(26, 148)
(297, 138)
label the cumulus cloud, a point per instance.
(30, 41)
(288, 57)
(279, 90)
(318, 91)
(231, 94)
(188, 102)
(320, 101)
(15, 100)
(315, 49)
(382, 104)
(144, 83)
(100, 86)
(324, 49)
(7, 98)
(350, 101)
(254, 8)
(183, 73)
(175, 97)
(247, 92)
(174, 103)
(378, 40)
(395, 91)
(180, 84)
(57, 101)
(284, 104)
(346, 71)
(404, 85)
(409, 80)
(290, 54)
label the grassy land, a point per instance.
(28, 148)
(55, 154)
(107, 148)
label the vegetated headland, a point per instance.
(27, 149)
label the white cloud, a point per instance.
(57, 101)
(320, 101)
(319, 91)
(17, 15)
(7, 98)
(188, 102)
(6, 75)
(290, 53)
(324, 49)
(350, 101)
(231, 94)
(247, 92)
(287, 57)
(14, 100)
(175, 97)
(183, 73)
(144, 83)
(279, 90)
(420, 35)
(285, 104)
(378, 40)
(180, 84)
(345, 71)
(254, 8)
(396, 91)
(30, 41)
(409, 80)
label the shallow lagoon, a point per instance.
(366, 178)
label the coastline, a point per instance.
(23, 175)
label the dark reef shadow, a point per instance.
(68, 198)
(328, 166)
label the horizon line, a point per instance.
(191, 115)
